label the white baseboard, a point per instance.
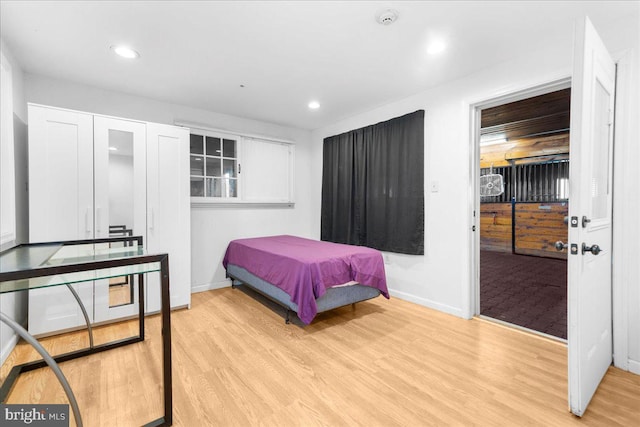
(210, 286)
(427, 303)
(634, 366)
(11, 343)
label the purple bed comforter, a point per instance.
(305, 268)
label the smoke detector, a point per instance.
(386, 16)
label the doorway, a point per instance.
(523, 170)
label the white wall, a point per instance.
(14, 305)
(441, 278)
(211, 228)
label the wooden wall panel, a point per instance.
(538, 226)
(495, 227)
(549, 104)
(539, 148)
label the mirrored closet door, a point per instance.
(120, 204)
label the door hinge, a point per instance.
(239, 168)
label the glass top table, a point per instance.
(40, 265)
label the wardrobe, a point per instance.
(94, 176)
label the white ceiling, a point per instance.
(285, 53)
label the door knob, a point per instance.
(560, 246)
(594, 249)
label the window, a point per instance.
(214, 165)
(232, 168)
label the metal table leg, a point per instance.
(47, 358)
(166, 341)
(84, 313)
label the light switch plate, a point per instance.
(435, 186)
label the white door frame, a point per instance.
(474, 167)
(624, 252)
(623, 133)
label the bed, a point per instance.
(306, 276)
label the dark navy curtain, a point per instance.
(373, 186)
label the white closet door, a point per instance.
(60, 175)
(60, 205)
(120, 204)
(168, 211)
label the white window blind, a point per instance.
(266, 171)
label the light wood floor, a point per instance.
(386, 363)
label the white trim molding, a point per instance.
(7, 156)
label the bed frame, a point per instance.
(333, 298)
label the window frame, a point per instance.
(222, 136)
(240, 198)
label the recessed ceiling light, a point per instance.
(113, 149)
(314, 105)
(436, 47)
(125, 52)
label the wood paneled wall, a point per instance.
(537, 227)
(533, 128)
(551, 104)
(547, 148)
(495, 227)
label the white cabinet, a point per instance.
(60, 175)
(60, 205)
(92, 176)
(168, 211)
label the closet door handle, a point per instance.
(87, 228)
(152, 220)
(98, 218)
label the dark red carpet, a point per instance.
(525, 290)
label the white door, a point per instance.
(120, 204)
(168, 211)
(589, 272)
(60, 175)
(60, 205)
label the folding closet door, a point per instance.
(60, 205)
(120, 205)
(168, 211)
